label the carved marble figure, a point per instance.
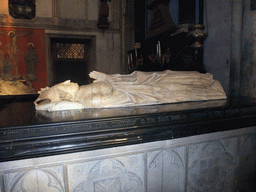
(135, 89)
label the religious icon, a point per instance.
(14, 47)
(20, 60)
(31, 62)
(8, 68)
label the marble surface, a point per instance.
(129, 90)
(26, 133)
(207, 162)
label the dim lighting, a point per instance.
(22, 9)
(103, 23)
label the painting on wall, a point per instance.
(22, 61)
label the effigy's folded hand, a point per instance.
(98, 76)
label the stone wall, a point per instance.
(248, 61)
(229, 52)
(79, 18)
(216, 162)
(217, 48)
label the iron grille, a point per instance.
(70, 51)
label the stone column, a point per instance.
(248, 61)
(236, 46)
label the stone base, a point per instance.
(221, 161)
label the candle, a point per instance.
(159, 49)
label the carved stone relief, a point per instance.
(1, 183)
(110, 175)
(211, 167)
(169, 169)
(246, 172)
(207, 166)
(47, 179)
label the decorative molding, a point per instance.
(73, 23)
(54, 23)
(55, 8)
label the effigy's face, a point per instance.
(68, 95)
(65, 91)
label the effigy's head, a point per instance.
(65, 91)
(68, 95)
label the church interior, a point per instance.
(193, 145)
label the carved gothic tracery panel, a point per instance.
(212, 168)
